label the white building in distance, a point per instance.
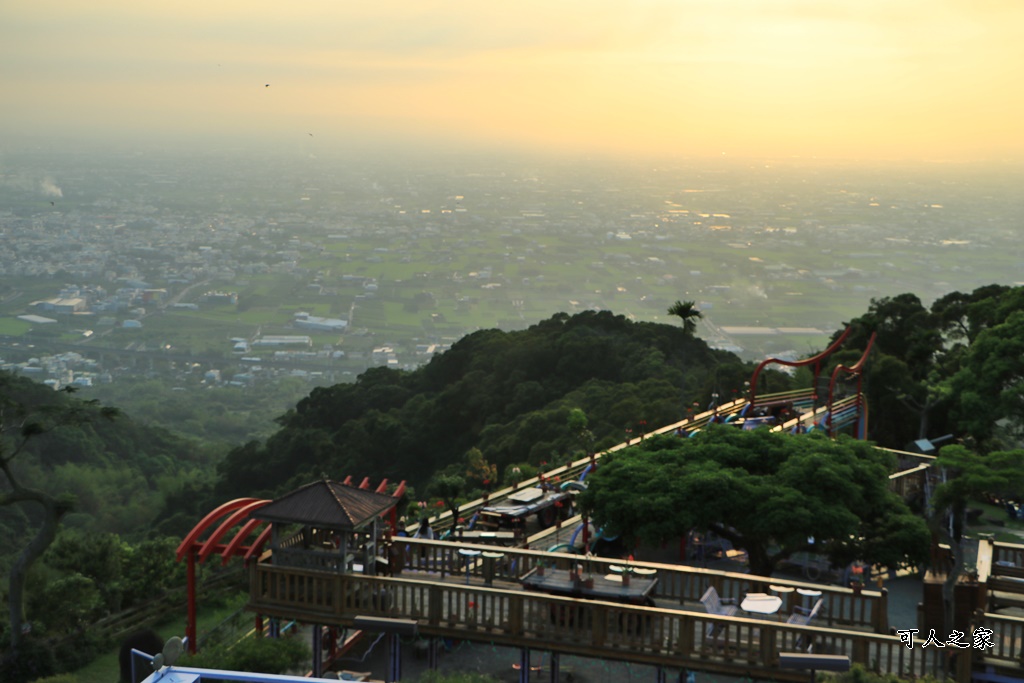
(314, 322)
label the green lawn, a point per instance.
(13, 327)
(993, 520)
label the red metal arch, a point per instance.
(856, 370)
(257, 545)
(191, 548)
(813, 360)
(193, 536)
(236, 517)
(235, 546)
(234, 512)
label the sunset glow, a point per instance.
(874, 80)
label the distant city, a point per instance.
(231, 269)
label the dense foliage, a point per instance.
(118, 470)
(508, 394)
(70, 469)
(766, 492)
(956, 367)
(257, 655)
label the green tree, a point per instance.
(990, 385)
(508, 394)
(455, 677)
(448, 487)
(969, 477)
(578, 426)
(24, 418)
(766, 492)
(688, 313)
(479, 472)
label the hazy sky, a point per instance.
(876, 79)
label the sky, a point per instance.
(867, 80)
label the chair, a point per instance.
(802, 616)
(723, 607)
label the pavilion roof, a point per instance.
(327, 504)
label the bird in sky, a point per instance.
(267, 85)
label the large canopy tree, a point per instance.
(765, 492)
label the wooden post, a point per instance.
(882, 612)
(318, 652)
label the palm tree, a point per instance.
(688, 313)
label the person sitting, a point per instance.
(425, 531)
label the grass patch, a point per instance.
(13, 327)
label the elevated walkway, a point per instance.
(451, 595)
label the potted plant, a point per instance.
(857, 578)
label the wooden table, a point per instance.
(760, 603)
(610, 587)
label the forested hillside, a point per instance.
(507, 394)
(80, 485)
(115, 468)
(954, 367)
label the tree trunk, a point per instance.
(33, 551)
(949, 585)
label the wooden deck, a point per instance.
(451, 595)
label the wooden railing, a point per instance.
(1008, 559)
(678, 584)
(518, 618)
(566, 472)
(310, 559)
(1007, 639)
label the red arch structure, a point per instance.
(859, 405)
(221, 521)
(224, 517)
(814, 361)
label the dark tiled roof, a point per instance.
(327, 504)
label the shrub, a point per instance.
(256, 655)
(32, 660)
